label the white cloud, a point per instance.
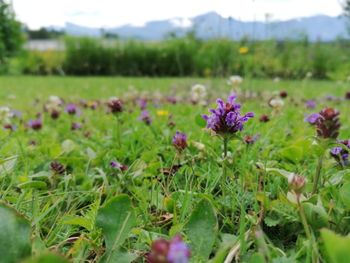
(98, 13)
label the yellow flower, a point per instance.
(243, 50)
(162, 113)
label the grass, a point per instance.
(251, 214)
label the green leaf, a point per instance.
(33, 184)
(15, 241)
(77, 220)
(202, 229)
(47, 258)
(337, 247)
(116, 219)
(316, 215)
(345, 195)
(200, 121)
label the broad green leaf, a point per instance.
(316, 215)
(47, 258)
(15, 241)
(202, 229)
(337, 247)
(116, 219)
(78, 220)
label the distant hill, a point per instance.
(212, 25)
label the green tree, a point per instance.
(11, 38)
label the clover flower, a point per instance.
(235, 81)
(198, 94)
(276, 103)
(145, 117)
(180, 141)
(226, 119)
(341, 154)
(5, 114)
(169, 251)
(142, 103)
(326, 122)
(115, 105)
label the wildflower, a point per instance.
(347, 95)
(162, 113)
(71, 109)
(226, 119)
(326, 122)
(264, 118)
(283, 94)
(180, 141)
(10, 127)
(235, 81)
(296, 183)
(198, 94)
(36, 124)
(145, 117)
(76, 126)
(310, 104)
(142, 103)
(57, 167)
(276, 104)
(243, 50)
(115, 105)
(341, 153)
(249, 139)
(169, 251)
(171, 99)
(117, 165)
(55, 114)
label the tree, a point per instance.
(346, 8)
(11, 37)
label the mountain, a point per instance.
(213, 25)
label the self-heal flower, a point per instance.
(145, 117)
(326, 122)
(115, 105)
(71, 109)
(341, 153)
(35, 124)
(347, 95)
(226, 119)
(180, 141)
(310, 104)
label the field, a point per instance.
(92, 179)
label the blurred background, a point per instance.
(290, 39)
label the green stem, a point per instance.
(318, 174)
(306, 228)
(224, 167)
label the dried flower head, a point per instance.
(145, 117)
(226, 119)
(326, 122)
(283, 94)
(347, 95)
(264, 118)
(297, 183)
(36, 124)
(57, 167)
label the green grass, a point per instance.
(63, 209)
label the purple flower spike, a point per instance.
(313, 118)
(116, 165)
(341, 154)
(36, 124)
(142, 104)
(145, 117)
(180, 141)
(226, 118)
(310, 104)
(71, 109)
(326, 122)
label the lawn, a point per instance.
(92, 181)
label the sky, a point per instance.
(111, 13)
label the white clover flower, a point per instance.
(198, 145)
(5, 114)
(198, 94)
(276, 103)
(235, 81)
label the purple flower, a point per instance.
(180, 141)
(115, 105)
(76, 126)
(326, 122)
(347, 95)
(142, 103)
(116, 165)
(71, 109)
(145, 117)
(341, 153)
(310, 104)
(35, 124)
(227, 118)
(178, 252)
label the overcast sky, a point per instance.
(109, 13)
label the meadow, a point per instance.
(112, 169)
